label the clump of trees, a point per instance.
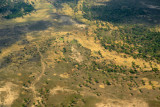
(138, 41)
(126, 11)
(14, 9)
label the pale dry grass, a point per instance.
(158, 29)
(67, 10)
(13, 48)
(53, 57)
(36, 16)
(29, 37)
(42, 12)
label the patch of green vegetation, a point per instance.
(62, 38)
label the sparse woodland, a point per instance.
(87, 53)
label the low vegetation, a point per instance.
(74, 55)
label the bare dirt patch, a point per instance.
(54, 74)
(19, 74)
(101, 86)
(76, 55)
(65, 75)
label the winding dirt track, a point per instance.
(33, 87)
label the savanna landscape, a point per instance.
(79, 53)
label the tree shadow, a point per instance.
(12, 34)
(126, 11)
(57, 3)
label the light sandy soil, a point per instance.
(55, 90)
(64, 75)
(76, 55)
(101, 86)
(8, 93)
(122, 103)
